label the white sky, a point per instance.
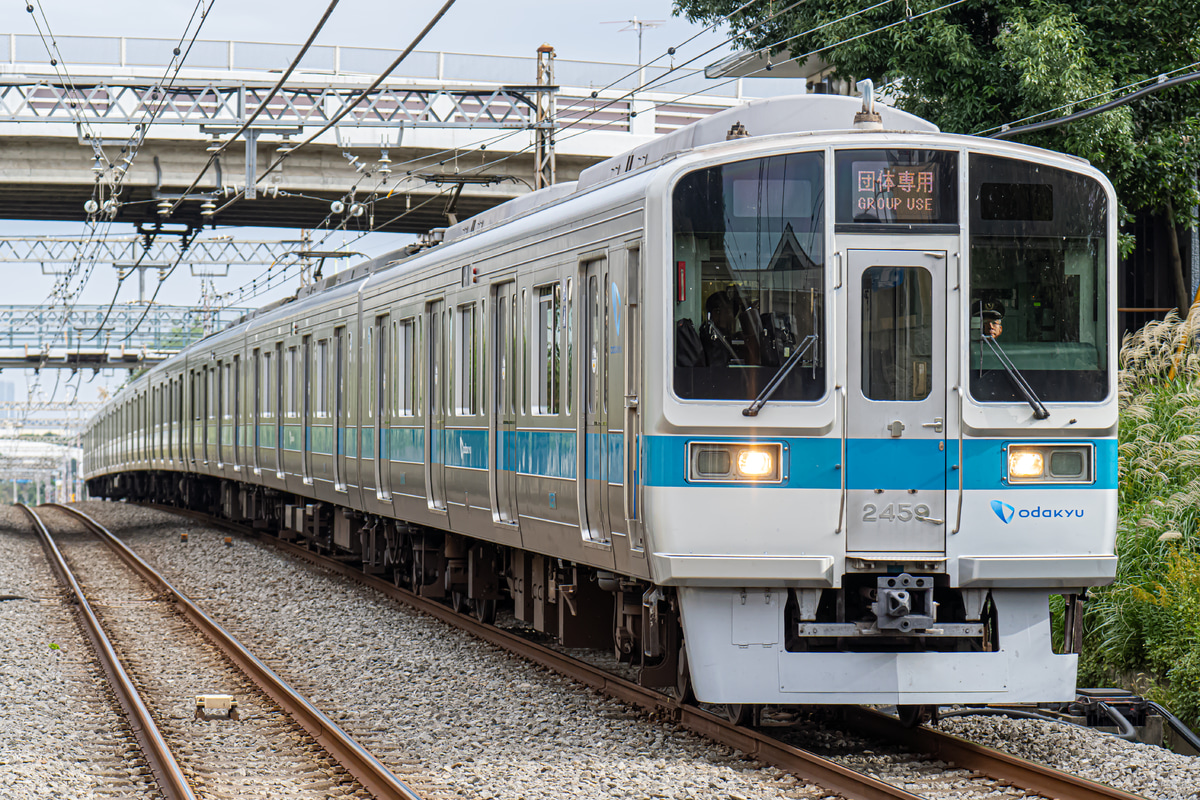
(576, 28)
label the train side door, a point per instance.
(435, 408)
(340, 412)
(593, 407)
(383, 369)
(306, 399)
(503, 403)
(896, 452)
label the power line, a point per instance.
(352, 104)
(261, 106)
(1006, 130)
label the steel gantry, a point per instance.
(127, 336)
(202, 256)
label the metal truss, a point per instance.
(14, 409)
(163, 251)
(228, 104)
(95, 337)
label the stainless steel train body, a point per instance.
(568, 402)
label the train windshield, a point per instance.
(1038, 281)
(749, 279)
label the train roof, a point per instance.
(793, 114)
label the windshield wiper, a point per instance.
(775, 382)
(1018, 380)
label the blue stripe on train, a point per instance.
(811, 462)
(877, 464)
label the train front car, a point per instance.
(879, 431)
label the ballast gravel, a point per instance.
(458, 718)
(1147, 770)
(61, 731)
(454, 716)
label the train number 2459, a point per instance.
(893, 512)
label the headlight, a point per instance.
(1050, 463)
(736, 462)
(1025, 464)
(755, 463)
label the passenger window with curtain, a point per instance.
(748, 279)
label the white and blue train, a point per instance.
(776, 449)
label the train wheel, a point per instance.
(739, 713)
(683, 679)
(915, 716)
(459, 602)
(484, 611)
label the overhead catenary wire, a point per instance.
(346, 109)
(494, 162)
(287, 73)
(1007, 132)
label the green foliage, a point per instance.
(984, 63)
(1148, 620)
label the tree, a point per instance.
(984, 63)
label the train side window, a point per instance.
(321, 388)
(264, 397)
(523, 323)
(570, 323)
(289, 382)
(405, 375)
(547, 385)
(467, 363)
(227, 391)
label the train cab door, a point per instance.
(896, 452)
(593, 464)
(435, 405)
(503, 404)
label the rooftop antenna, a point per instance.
(638, 25)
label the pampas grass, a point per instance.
(1148, 620)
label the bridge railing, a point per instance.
(435, 66)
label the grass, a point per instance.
(1143, 631)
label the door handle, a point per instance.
(930, 520)
(936, 424)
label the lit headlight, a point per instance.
(755, 463)
(1025, 464)
(736, 462)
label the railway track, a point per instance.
(160, 652)
(996, 773)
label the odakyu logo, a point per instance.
(1006, 512)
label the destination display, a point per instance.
(895, 193)
(907, 187)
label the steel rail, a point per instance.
(167, 773)
(828, 774)
(987, 761)
(359, 762)
(995, 763)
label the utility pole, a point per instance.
(543, 164)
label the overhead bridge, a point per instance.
(407, 158)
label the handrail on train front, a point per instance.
(958, 514)
(842, 465)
